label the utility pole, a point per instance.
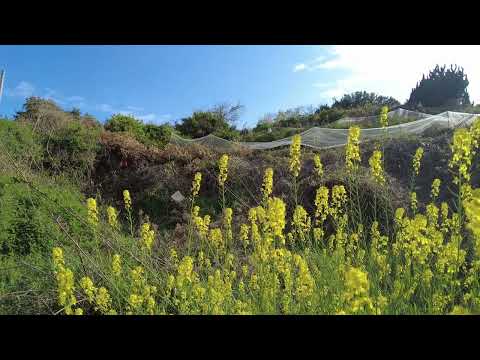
(2, 78)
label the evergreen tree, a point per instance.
(441, 87)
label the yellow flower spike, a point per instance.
(461, 154)
(244, 231)
(475, 133)
(321, 204)
(472, 210)
(352, 151)
(65, 282)
(223, 170)
(196, 184)
(127, 200)
(112, 217)
(276, 212)
(318, 166)
(216, 239)
(78, 311)
(92, 211)
(147, 236)
(417, 160)
(88, 288)
(357, 291)
(295, 153)
(376, 167)
(103, 301)
(338, 201)
(57, 256)
(413, 202)
(228, 224)
(301, 223)
(384, 116)
(116, 265)
(435, 189)
(267, 185)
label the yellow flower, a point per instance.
(92, 211)
(276, 217)
(267, 185)
(475, 133)
(321, 205)
(244, 229)
(295, 152)
(196, 184)
(435, 189)
(301, 223)
(112, 217)
(357, 291)
(57, 255)
(228, 224)
(384, 116)
(318, 166)
(116, 265)
(462, 154)
(472, 210)
(88, 288)
(147, 236)
(339, 198)
(352, 153)
(416, 161)
(413, 201)
(65, 282)
(103, 301)
(376, 168)
(127, 200)
(305, 283)
(216, 238)
(223, 169)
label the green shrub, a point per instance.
(157, 135)
(19, 140)
(72, 149)
(124, 123)
(28, 220)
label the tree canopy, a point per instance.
(441, 87)
(362, 99)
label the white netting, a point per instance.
(322, 138)
(402, 113)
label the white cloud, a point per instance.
(393, 70)
(23, 89)
(312, 65)
(299, 67)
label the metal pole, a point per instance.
(2, 78)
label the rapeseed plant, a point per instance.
(352, 153)
(267, 185)
(318, 166)
(92, 212)
(384, 117)
(112, 218)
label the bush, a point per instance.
(20, 141)
(72, 150)
(124, 123)
(28, 221)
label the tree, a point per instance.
(124, 123)
(44, 115)
(440, 88)
(362, 99)
(218, 121)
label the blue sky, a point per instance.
(165, 83)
